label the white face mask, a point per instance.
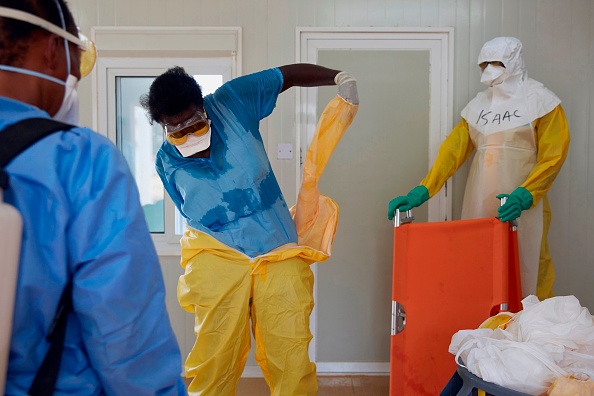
(194, 144)
(68, 111)
(493, 75)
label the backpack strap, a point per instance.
(16, 138)
(45, 380)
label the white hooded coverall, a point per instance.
(520, 133)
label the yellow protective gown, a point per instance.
(529, 156)
(521, 138)
(225, 288)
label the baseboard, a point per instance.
(333, 368)
(352, 368)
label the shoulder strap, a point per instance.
(45, 380)
(17, 137)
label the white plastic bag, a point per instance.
(558, 323)
(546, 340)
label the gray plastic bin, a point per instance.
(471, 382)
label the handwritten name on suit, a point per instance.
(489, 117)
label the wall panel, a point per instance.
(411, 13)
(376, 12)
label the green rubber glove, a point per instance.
(416, 197)
(520, 199)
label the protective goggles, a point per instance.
(177, 134)
(89, 52)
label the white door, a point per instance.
(403, 116)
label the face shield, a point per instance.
(68, 110)
(88, 55)
(88, 50)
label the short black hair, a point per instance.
(170, 94)
(15, 34)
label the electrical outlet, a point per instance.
(285, 151)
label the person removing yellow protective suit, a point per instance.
(224, 288)
(246, 259)
(521, 137)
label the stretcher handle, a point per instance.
(513, 223)
(408, 218)
(398, 318)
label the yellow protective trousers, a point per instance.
(226, 289)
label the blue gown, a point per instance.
(233, 195)
(82, 216)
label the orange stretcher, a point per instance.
(447, 276)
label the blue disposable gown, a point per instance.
(233, 195)
(82, 216)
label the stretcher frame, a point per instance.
(438, 291)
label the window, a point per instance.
(129, 60)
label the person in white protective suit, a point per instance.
(521, 137)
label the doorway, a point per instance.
(405, 92)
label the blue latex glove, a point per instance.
(416, 197)
(520, 199)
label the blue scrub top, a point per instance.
(82, 217)
(233, 195)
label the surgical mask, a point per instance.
(190, 136)
(68, 111)
(194, 144)
(493, 75)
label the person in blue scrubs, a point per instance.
(214, 166)
(219, 176)
(82, 220)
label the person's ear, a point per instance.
(53, 54)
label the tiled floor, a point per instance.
(327, 386)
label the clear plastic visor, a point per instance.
(89, 52)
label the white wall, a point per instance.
(558, 37)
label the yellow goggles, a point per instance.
(88, 56)
(89, 52)
(197, 125)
